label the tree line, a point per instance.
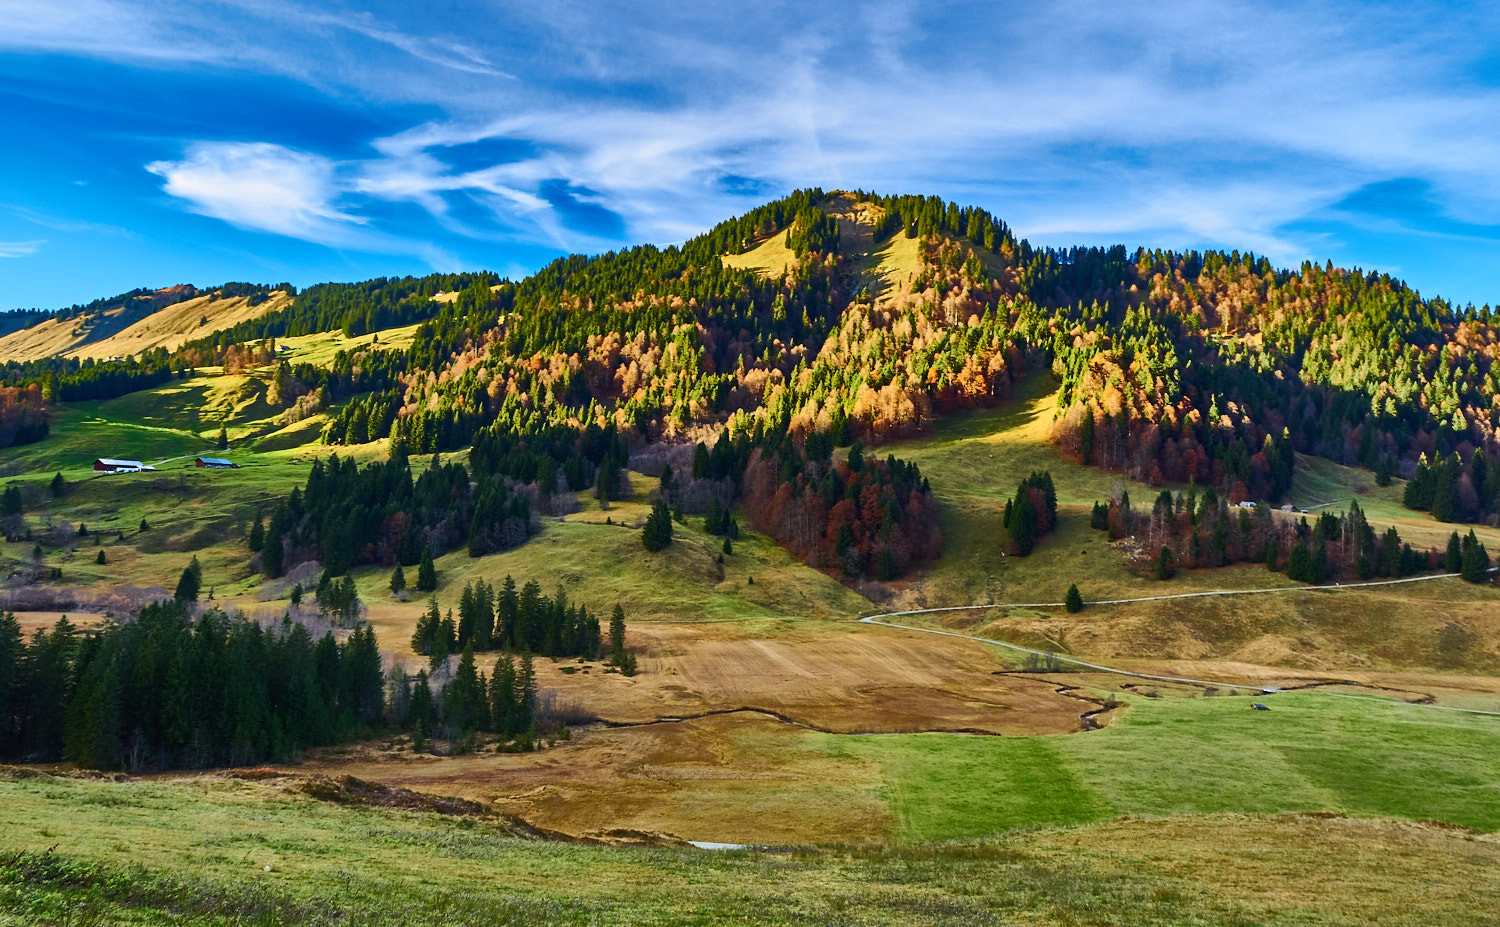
(165, 691)
(1196, 530)
(518, 620)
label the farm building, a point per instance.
(217, 463)
(111, 465)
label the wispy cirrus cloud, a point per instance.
(18, 249)
(568, 125)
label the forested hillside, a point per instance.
(1215, 368)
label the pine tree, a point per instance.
(419, 709)
(657, 534)
(257, 535)
(363, 682)
(1166, 568)
(462, 697)
(426, 572)
(1099, 517)
(702, 469)
(398, 581)
(58, 486)
(617, 634)
(100, 559)
(728, 547)
(715, 521)
(190, 583)
(425, 634)
(1384, 470)
(1453, 560)
(438, 655)
(144, 526)
(506, 607)
(526, 694)
(1022, 524)
(12, 651)
(1074, 601)
(1476, 560)
(223, 438)
(504, 707)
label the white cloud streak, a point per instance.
(1179, 122)
(259, 186)
(19, 249)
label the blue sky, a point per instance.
(149, 144)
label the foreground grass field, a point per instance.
(1312, 752)
(752, 778)
(217, 850)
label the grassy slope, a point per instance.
(210, 851)
(976, 459)
(176, 325)
(600, 563)
(1312, 752)
(319, 349)
(169, 327)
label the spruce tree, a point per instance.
(100, 559)
(144, 526)
(257, 535)
(617, 634)
(1074, 601)
(1166, 568)
(12, 651)
(526, 694)
(223, 438)
(1453, 560)
(12, 500)
(503, 697)
(190, 582)
(462, 697)
(398, 581)
(419, 709)
(1022, 524)
(1476, 560)
(438, 654)
(658, 531)
(426, 572)
(425, 634)
(58, 485)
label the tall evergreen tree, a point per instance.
(526, 693)
(617, 633)
(1453, 559)
(11, 652)
(463, 695)
(190, 583)
(1166, 567)
(426, 572)
(398, 580)
(504, 703)
(657, 534)
(1475, 564)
